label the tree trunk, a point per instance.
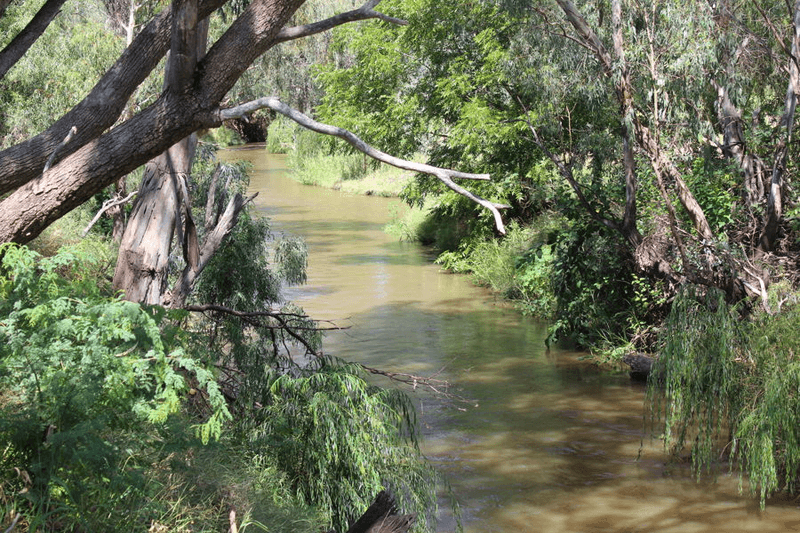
(629, 229)
(143, 261)
(142, 264)
(775, 198)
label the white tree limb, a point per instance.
(364, 12)
(444, 175)
(108, 204)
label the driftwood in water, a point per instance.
(382, 517)
(640, 364)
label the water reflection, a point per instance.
(552, 444)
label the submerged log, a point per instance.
(382, 517)
(641, 364)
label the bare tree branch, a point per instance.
(446, 176)
(24, 39)
(362, 13)
(108, 204)
(438, 387)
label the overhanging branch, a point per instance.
(364, 12)
(446, 176)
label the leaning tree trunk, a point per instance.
(143, 261)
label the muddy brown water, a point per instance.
(550, 443)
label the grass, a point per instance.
(313, 163)
(350, 173)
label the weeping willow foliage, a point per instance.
(767, 435)
(341, 440)
(727, 386)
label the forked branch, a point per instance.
(444, 175)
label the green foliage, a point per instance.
(766, 436)
(592, 286)
(723, 384)
(81, 371)
(281, 135)
(337, 439)
(341, 440)
(714, 186)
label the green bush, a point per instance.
(592, 286)
(84, 377)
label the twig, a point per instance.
(439, 387)
(13, 524)
(243, 314)
(108, 204)
(446, 176)
(72, 131)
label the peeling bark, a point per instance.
(164, 208)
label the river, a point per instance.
(547, 443)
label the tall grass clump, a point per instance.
(519, 267)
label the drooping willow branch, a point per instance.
(444, 175)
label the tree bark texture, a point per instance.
(164, 207)
(142, 265)
(103, 159)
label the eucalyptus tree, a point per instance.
(670, 122)
(53, 172)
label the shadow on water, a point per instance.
(548, 442)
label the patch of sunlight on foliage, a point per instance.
(68, 231)
(519, 266)
(406, 224)
(222, 137)
(281, 135)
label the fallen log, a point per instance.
(641, 364)
(382, 517)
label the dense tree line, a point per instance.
(646, 152)
(641, 155)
